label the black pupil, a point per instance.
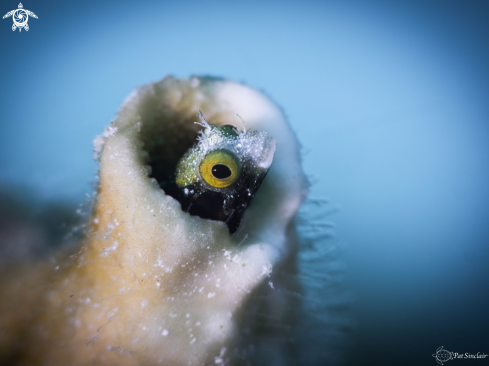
(221, 171)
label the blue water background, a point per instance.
(390, 100)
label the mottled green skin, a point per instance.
(187, 174)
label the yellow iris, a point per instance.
(220, 168)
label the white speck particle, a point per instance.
(266, 270)
(99, 141)
(112, 248)
(164, 333)
(144, 303)
(211, 294)
(193, 341)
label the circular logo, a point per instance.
(442, 355)
(20, 17)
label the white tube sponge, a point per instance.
(154, 284)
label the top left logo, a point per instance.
(20, 17)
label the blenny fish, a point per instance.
(219, 176)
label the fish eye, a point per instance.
(220, 168)
(221, 171)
